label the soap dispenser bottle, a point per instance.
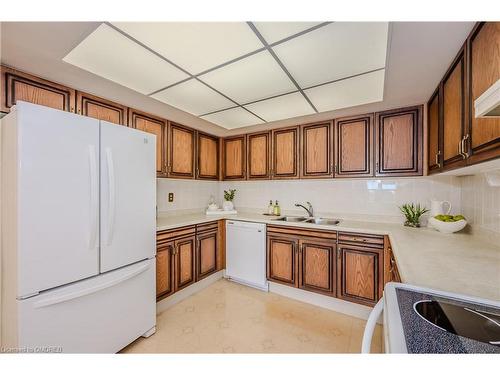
(270, 208)
(277, 209)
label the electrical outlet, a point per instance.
(170, 197)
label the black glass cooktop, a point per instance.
(463, 321)
(438, 324)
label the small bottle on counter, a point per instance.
(270, 208)
(277, 209)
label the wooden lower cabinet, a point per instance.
(282, 259)
(317, 265)
(207, 248)
(185, 261)
(304, 260)
(360, 274)
(165, 270)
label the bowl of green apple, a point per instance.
(448, 223)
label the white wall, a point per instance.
(480, 202)
(188, 194)
(355, 198)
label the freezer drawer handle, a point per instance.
(111, 206)
(91, 290)
(94, 191)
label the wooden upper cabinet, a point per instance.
(16, 85)
(317, 269)
(398, 142)
(434, 128)
(282, 259)
(360, 274)
(208, 157)
(353, 143)
(165, 270)
(185, 255)
(285, 153)
(181, 151)
(484, 62)
(259, 156)
(453, 112)
(316, 146)
(101, 109)
(234, 149)
(154, 125)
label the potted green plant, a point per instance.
(228, 204)
(412, 213)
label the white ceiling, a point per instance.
(410, 74)
(204, 68)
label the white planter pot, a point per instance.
(228, 206)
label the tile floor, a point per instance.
(231, 318)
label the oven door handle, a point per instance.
(370, 326)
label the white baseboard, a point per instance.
(331, 303)
(188, 291)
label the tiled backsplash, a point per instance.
(352, 198)
(481, 202)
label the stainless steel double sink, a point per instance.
(309, 220)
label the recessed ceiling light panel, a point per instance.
(233, 118)
(363, 89)
(256, 77)
(111, 55)
(194, 97)
(338, 50)
(282, 107)
(195, 46)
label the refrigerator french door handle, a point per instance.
(94, 200)
(111, 203)
(94, 289)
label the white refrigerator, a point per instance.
(78, 232)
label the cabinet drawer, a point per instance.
(167, 235)
(213, 225)
(294, 231)
(369, 240)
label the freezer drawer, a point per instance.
(98, 315)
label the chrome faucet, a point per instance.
(309, 210)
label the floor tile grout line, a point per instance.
(280, 63)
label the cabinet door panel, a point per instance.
(208, 157)
(16, 85)
(259, 150)
(164, 271)
(453, 112)
(285, 153)
(360, 274)
(434, 121)
(235, 158)
(207, 247)
(399, 142)
(154, 125)
(484, 62)
(101, 109)
(185, 262)
(282, 260)
(181, 151)
(354, 139)
(316, 150)
(317, 268)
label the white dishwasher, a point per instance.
(246, 253)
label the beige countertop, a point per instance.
(460, 262)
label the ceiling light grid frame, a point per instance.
(232, 103)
